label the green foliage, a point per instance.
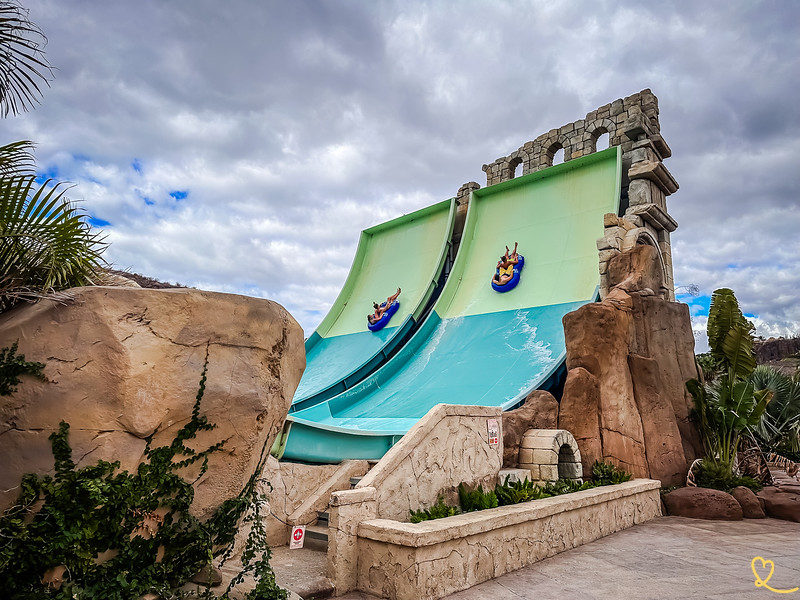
(729, 404)
(517, 491)
(780, 427)
(24, 65)
(711, 474)
(144, 518)
(46, 245)
(12, 365)
(606, 473)
(439, 510)
(476, 499)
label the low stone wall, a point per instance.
(405, 561)
(448, 446)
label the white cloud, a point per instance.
(292, 126)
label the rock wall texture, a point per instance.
(448, 446)
(124, 364)
(628, 358)
(540, 411)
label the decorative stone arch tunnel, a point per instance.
(550, 454)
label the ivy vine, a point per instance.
(98, 532)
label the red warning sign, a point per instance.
(298, 537)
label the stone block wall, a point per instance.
(550, 455)
(633, 124)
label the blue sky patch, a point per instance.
(148, 201)
(136, 165)
(179, 194)
(698, 305)
(51, 173)
(95, 222)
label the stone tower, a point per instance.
(631, 123)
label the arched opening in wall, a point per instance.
(515, 168)
(558, 156)
(569, 465)
(602, 142)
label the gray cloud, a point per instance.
(294, 125)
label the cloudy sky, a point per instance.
(241, 146)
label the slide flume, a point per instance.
(478, 346)
(408, 252)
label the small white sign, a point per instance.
(298, 537)
(494, 432)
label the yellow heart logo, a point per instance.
(762, 582)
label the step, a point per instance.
(354, 482)
(316, 538)
(323, 518)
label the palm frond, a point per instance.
(16, 158)
(46, 244)
(23, 66)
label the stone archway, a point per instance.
(550, 454)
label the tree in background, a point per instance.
(730, 404)
(46, 245)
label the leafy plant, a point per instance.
(514, 492)
(24, 65)
(476, 499)
(780, 426)
(12, 365)
(606, 473)
(46, 245)
(712, 474)
(439, 510)
(120, 535)
(730, 404)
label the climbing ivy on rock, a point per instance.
(99, 532)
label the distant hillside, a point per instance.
(146, 282)
(781, 353)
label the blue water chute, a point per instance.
(511, 283)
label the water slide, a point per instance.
(478, 346)
(408, 252)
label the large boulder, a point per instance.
(781, 505)
(703, 503)
(751, 507)
(639, 351)
(579, 413)
(540, 411)
(123, 364)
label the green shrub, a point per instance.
(475, 499)
(12, 365)
(439, 510)
(606, 473)
(76, 515)
(517, 491)
(711, 474)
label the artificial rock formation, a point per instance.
(628, 358)
(540, 411)
(123, 364)
(703, 503)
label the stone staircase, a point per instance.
(317, 534)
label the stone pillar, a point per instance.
(347, 510)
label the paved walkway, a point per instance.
(668, 558)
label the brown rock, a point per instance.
(751, 507)
(635, 270)
(597, 339)
(639, 348)
(662, 437)
(579, 413)
(125, 363)
(703, 503)
(780, 505)
(209, 576)
(540, 411)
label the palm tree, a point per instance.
(46, 244)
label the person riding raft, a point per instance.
(382, 308)
(505, 267)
